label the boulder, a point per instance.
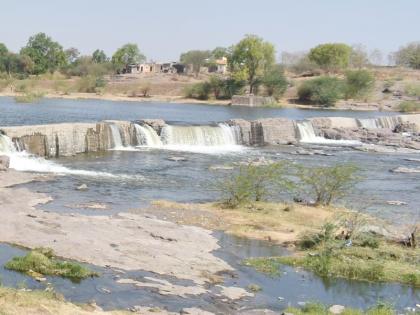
(336, 309)
(4, 162)
(156, 124)
(82, 187)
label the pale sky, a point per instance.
(164, 29)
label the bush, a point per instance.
(359, 83)
(90, 84)
(275, 82)
(29, 97)
(409, 106)
(327, 183)
(324, 91)
(366, 240)
(412, 90)
(252, 183)
(199, 91)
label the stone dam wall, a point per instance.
(66, 139)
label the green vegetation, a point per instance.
(127, 55)
(359, 83)
(409, 56)
(314, 308)
(197, 58)
(253, 183)
(327, 183)
(275, 82)
(29, 97)
(219, 87)
(331, 56)
(409, 106)
(413, 89)
(251, 58)
(42, 261)
(90, 84)
(328, 254)
(46, 54)
(325, 91)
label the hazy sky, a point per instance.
(164, 29)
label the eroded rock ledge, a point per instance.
(66, 139)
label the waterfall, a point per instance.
(147, 136)
(308, 135)
(116, 136)
(23, 161)
(221, 135)
(369, 123)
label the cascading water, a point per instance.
(147, 136)
(308, 135)
(369, 123)
(116, 137)
(23, 161)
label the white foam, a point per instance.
(307, 135)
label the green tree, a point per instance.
(358, 56)
(358, 83)
(219, 52)
(3, 55)
(251, 58)
(46, 54)
(99, 56)
(196, 58)
(331, 56)
(275, 82)
(72, 54)
(126, 55)
(328, 183)
(409, 56)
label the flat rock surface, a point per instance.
(125, 241)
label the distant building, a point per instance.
(153, 67)
(221, 65)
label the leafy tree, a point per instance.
(196, 58)
(358, 83)
(251, 58)
(409, 56)
(3, 55)
(126, 55)
(46, 54)
(331, 56)
(219, 52)
(275, 82)
(324, 91)
(328, 183)
(99, 56)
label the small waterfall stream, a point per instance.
(116, 136)
(308, 135)
(147, 136)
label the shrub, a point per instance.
(90, 84)
(199, 91)
(252, 183)
(327, 183)
(275, 82)
(409, 106)
(366, 240)
(331, 56)
(412, 90)
(359, 83)
(311, 240)
(324, 91)
(29, 97)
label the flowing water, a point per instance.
(181, 164)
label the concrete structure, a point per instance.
(66, 139)
(252, 100)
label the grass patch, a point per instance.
(29, 97)
(321, 309)
(385, 263)
(409, 106)
(42, 261)
(412, 90)
(268, 265)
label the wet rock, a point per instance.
(177, 159)
(194, 311)
(4, 162)
(220, 167)
(259, 312)
(412, 160)
(234, 293)
(396, 203)
(407, 170)
(336, 309)
(82, 187)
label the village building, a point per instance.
(153, 67)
